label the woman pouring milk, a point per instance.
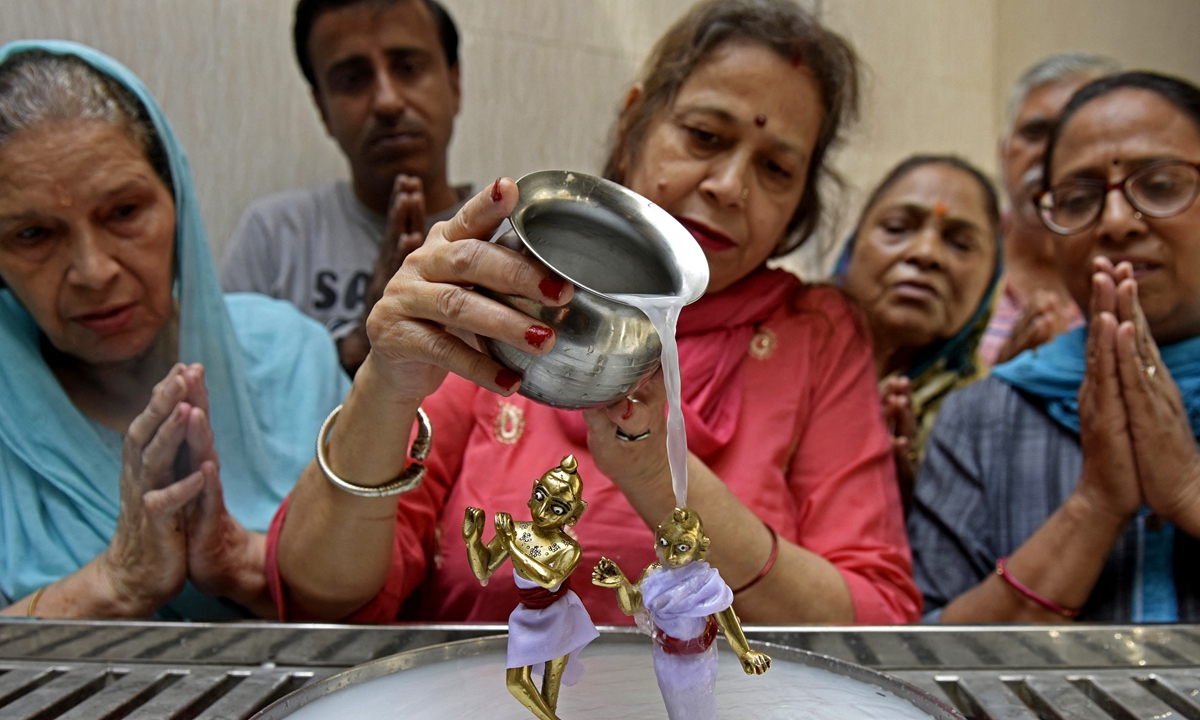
(789, 463)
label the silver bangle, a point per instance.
(408, 480)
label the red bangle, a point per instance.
(1006, 576)
(770, 561)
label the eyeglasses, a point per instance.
(1160, 190)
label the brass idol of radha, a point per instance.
(550, 625)
(681, 600)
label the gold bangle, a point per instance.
(37, 595)
(408, 480)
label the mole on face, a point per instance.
(761, 121)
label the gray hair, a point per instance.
(38, 87)
(1055, 68)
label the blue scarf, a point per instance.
(1054, 371)
(272, 376)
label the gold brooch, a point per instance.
(509, 425)
(762, 345)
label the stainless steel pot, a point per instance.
(605, 239)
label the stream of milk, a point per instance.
(663, 311)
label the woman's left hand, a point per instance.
(224, 559)
(1168, 462)
(636, 466)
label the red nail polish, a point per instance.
(552, 287)
(507, 378)
(628, 409)
(536, 335)
(497, 196)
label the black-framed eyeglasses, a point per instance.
(1160, 190)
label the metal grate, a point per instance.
(74, 691)
(185, 671)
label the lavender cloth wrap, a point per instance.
(679, 602)
(536, 637)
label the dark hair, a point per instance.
(1180, 93)
(783, 27)
(307, 12)
(37, 86)
(991, 200)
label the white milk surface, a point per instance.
(619, 685)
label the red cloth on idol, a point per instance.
(809, 454)
(695, 646)
(539, 598)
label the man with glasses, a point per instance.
(1035, 305)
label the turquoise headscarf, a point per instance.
(1054, 372)
(272, 377)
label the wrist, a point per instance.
(248, 580)
(1096, 524)
(648, 489)
(1091, 509)
(112, 594)
(1182, 509)
(377, 378)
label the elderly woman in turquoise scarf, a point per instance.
(1067, 484)
(149, 425)
(923, 264)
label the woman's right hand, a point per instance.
(902, 427)
(427, 320)
(1108, 481)
(145, 564)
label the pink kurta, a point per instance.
(810, 456)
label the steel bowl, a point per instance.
(605, 239)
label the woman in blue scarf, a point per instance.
(924, 264)
(1068, 483)
(149, 425)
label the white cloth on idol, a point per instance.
(679, 602)
(536, 637)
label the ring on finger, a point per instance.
(622, 435)
(1150, 371)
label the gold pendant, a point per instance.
(509, 425)
(762, 345)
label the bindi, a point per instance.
(940, 209)
(761, 121)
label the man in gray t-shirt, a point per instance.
(385, 78)
(315, 247)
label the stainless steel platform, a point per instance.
(181, 671)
